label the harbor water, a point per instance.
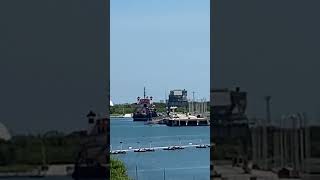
(186, 164)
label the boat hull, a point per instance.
(142, 118)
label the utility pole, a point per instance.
(282, 153)
(268, 113)
(136, 172)
(265, 132)
(307, 140)
(302, 142)
(193, 101)
(165, 96)
(193, 95)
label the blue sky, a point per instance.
(159, 44)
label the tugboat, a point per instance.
(144, 109)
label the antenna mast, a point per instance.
(268, 114)
(193, 95)
(144, 92)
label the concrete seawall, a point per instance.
(53, 170)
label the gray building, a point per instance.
(178, 98)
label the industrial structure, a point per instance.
(285, 148)
(229, 106)
(178, 98)
(199, 108)
(230, 124)
(92, 160)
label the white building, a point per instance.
(4, 133)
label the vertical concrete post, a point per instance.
(254, 145)
(281, 143)
(265, 145)
(307, 142)
(275, 156)
(296, 143)
(302, 144)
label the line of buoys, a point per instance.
(118, 152)
(169, 148)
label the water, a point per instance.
(187, 164)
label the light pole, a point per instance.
(121, 146)
(268, 113)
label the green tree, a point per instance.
(118, 170)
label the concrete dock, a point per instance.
(188, 122)
(236, 173)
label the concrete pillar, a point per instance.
(301, 136)
(296, 143)
(265, 145)
(281, 143)
(261, 158)
(254, 144)
(307, 141)
(285, 149)
(275, 147)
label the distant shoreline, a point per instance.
(118, 116)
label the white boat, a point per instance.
(170, 148)
(201, 146)
(140, 150)
(149, 149)
(127, 116)
(122, 116)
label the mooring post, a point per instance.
(136, 172)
